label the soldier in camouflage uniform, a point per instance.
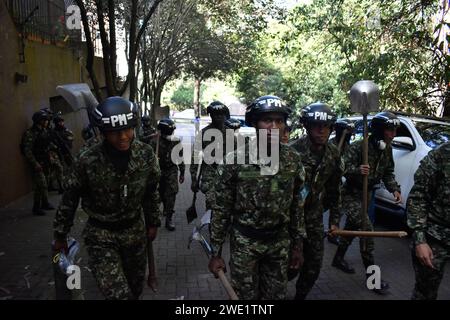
(64, 139)
(117, 182)
(262, 212)
(339, 127)
(168, 184)
(61, 157)
(89, 138)
(324, 170)
(219, 113)
(35, 147)
(148, 131)
(380, 168)
(429, 219)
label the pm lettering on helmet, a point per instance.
(121, 119)
(320, 116)
(271, 102)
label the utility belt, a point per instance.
(113, 225)
(258, 234)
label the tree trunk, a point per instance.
(106, 49)
(112, 42)
(197, 86)
(156, 103)
(90, 50)
(133, 51)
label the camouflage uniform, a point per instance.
(429, 219)
(36, 144)
(381, 169)
(147, 134)
(64, 139)
(87, 144)
(208, 173)
(265, 214)
(168, 184)
(323, 174)
(115, 235)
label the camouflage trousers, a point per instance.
(56, 170)
(168, 189)
(207, 184)
(259, 267)
(117, 260)
(313, 248)
(40, 187)
(352, 209)
(427, 279)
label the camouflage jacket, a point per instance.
(166, 145)
(208, 171)
(88, 144)
(36, 145)
(381, 165)
(106, 195)
(323, 176)
(429, 199)
(259, 201)
(147, 134)
(65, 136)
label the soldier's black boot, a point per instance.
(169, 223)
(47, 205)
(37, 211)
(384, 287)
(339, 261)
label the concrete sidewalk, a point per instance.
(26, 272)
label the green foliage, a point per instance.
(182, 97)
(321, 49)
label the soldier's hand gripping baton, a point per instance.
(191, 213)
(196, 235)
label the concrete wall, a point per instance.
(46, 66)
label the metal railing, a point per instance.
(43, 20)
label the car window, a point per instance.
(433, 134)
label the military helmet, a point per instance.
(381, 121)
(115, 113)
(265, 104)
(166, 126)
(218, 107)
(87, 133)
(344, 124)
(319, 113)
(233, 123)
(57, 118)
(40, 115)
(145, 120)
(340, 126)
